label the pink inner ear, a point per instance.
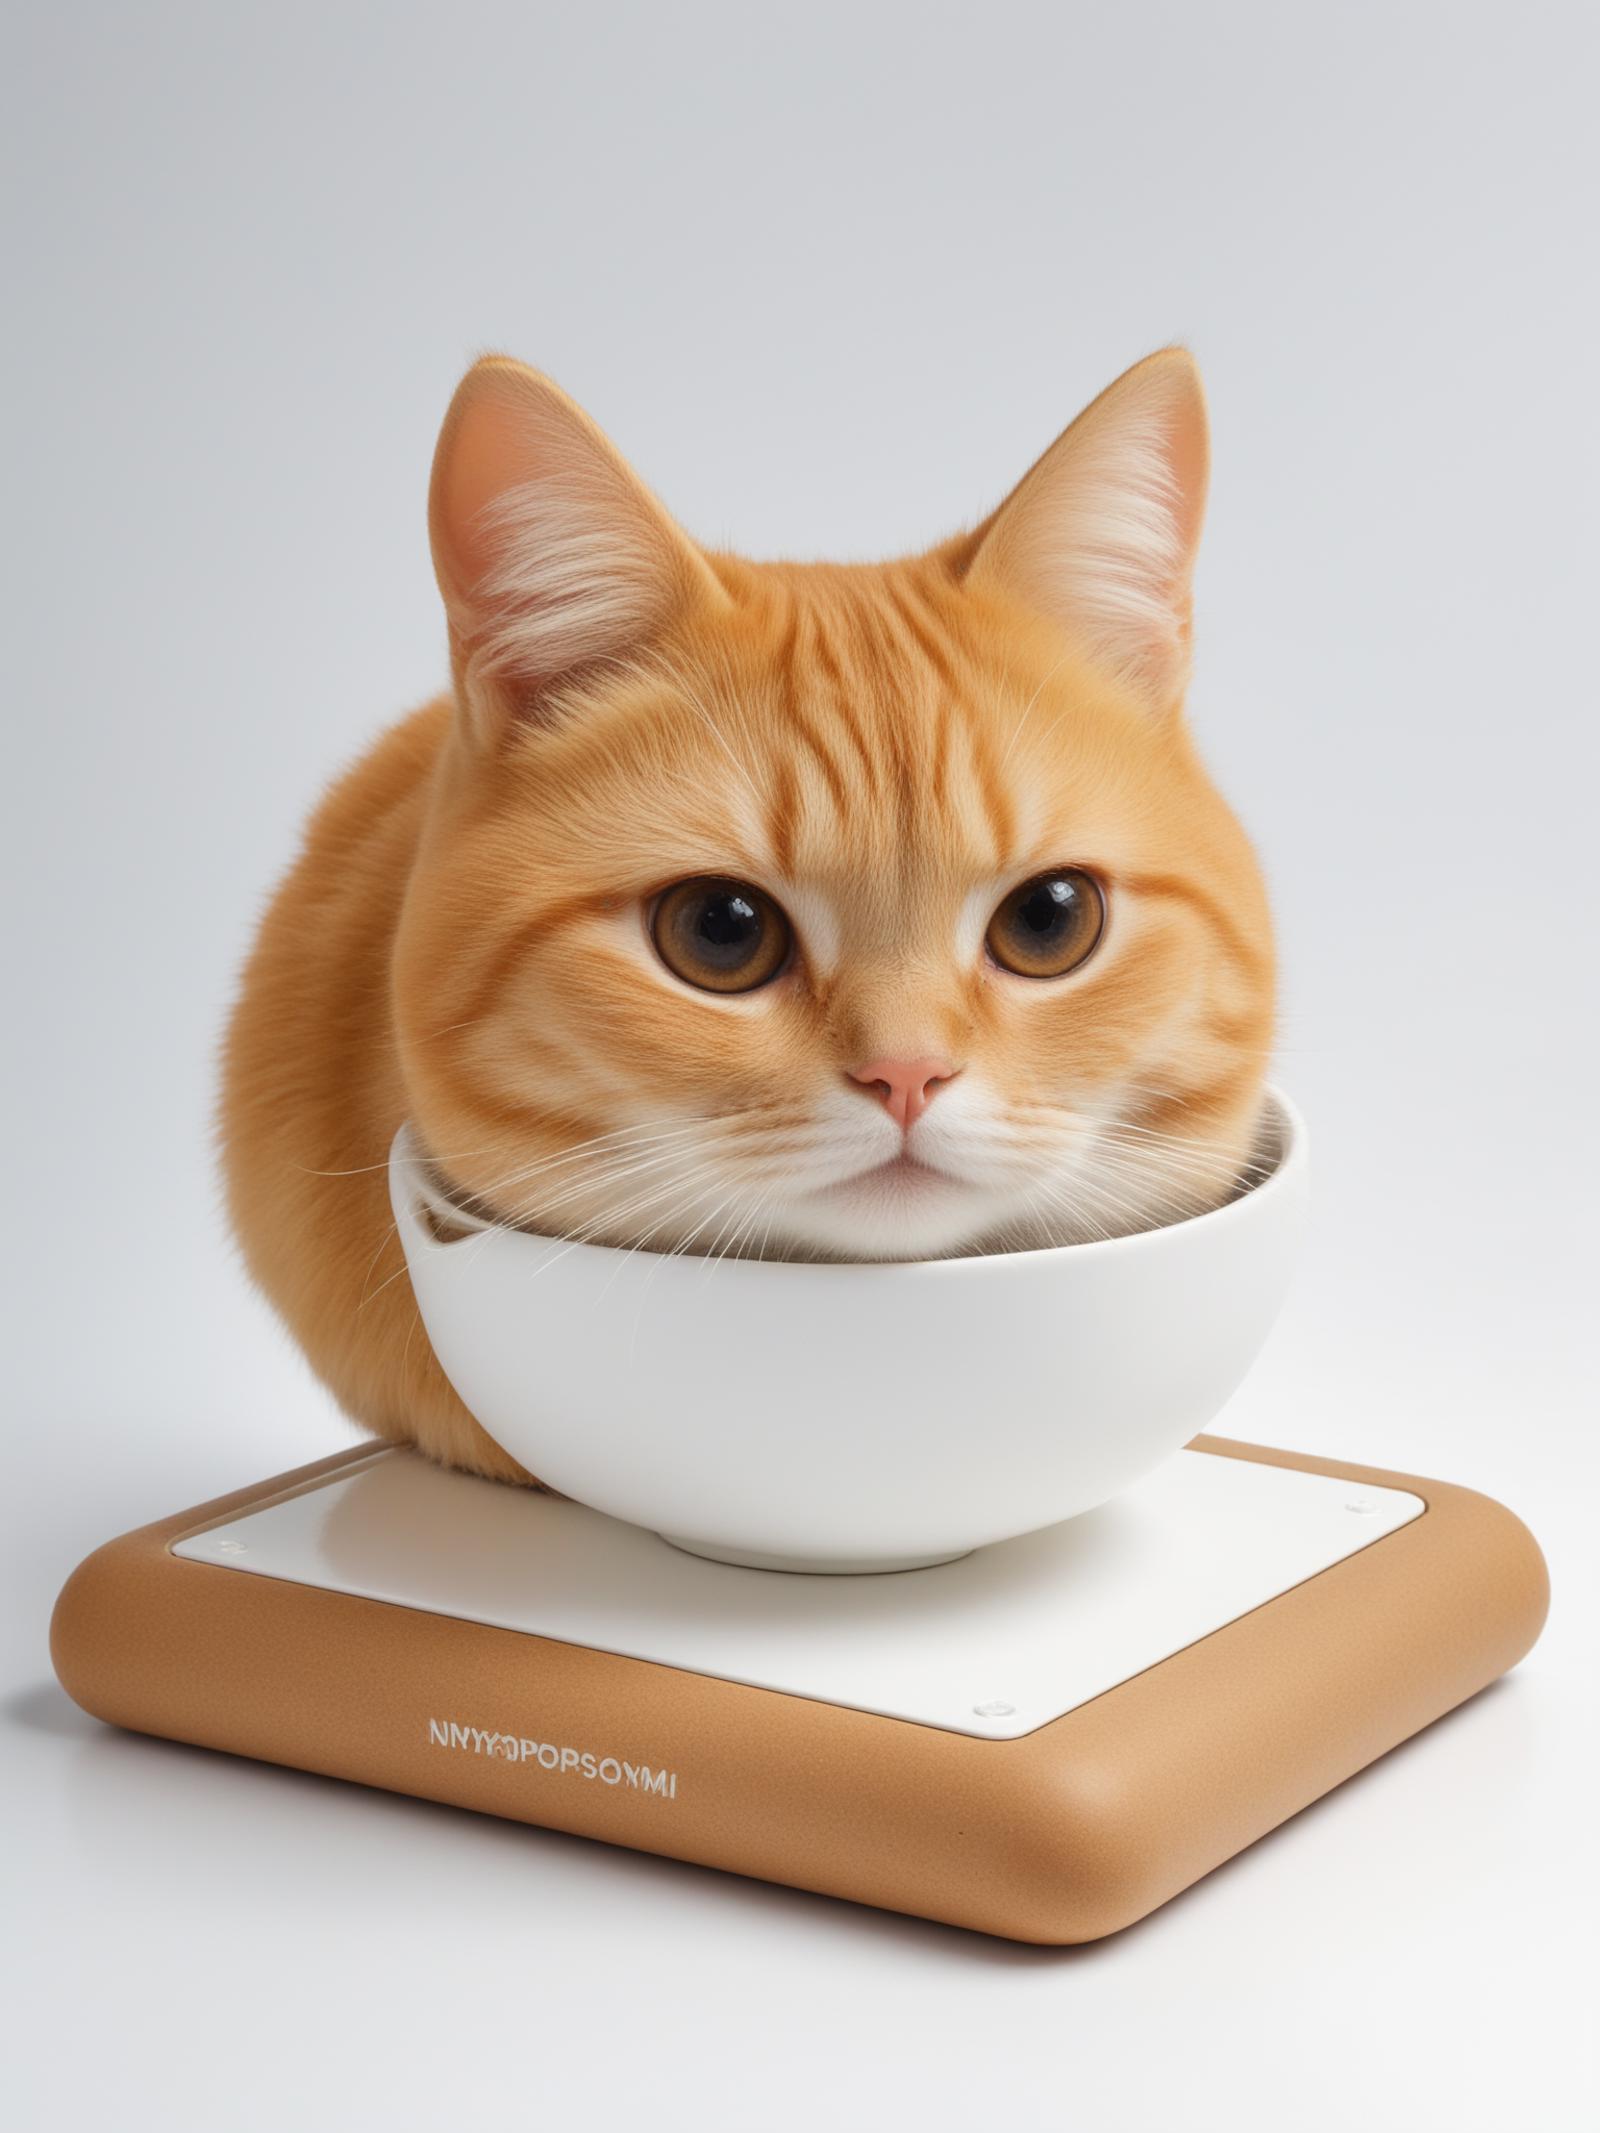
(551, 555)
(1101, 533)
(548, 554)
(1189, 454)
(487, 451)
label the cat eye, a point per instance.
(722, 936)
(1049, 925)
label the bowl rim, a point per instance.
(411, 1181)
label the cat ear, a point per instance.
(552, 556)
(1101, 533)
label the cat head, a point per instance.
(864, 911)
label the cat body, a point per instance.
(850, 911)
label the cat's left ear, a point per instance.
(1101, 533)
(553, 558)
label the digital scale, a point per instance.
(1044, 1740)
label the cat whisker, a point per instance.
(392, 1231)
(746, 1236)
(467, 1155)
(680, 1248)
(1090, 1122)
(362, 1170)
(1048, 1197)
(1180, 1167)
(585, 1231)
(729, 1128)
(613, 1165)
(1157, 1134)
(1077, 1207)
(545, 1219)
(1192, 1169)
(1156, 1202)
(541, 1210)
(603, 1147)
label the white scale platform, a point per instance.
(995, 1645)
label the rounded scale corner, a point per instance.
(1508, 1560)
(1083, 1860)
(1479, 1536)
(82, 1622)
(118, 1621)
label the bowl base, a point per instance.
(816, 1566)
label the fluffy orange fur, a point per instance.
(885, 751)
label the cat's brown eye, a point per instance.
(722, 936)
(1049, 925)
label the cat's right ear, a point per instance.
(552, 557)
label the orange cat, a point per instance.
(800, 909)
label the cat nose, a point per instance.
(905, 1086)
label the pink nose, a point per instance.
(905, 1085)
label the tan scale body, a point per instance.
(1069, 1833)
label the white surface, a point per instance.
(832, 277)
(995, 1645)
(1088, 1365)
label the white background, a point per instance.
(832, 276)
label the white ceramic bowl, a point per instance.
(850, 1418)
